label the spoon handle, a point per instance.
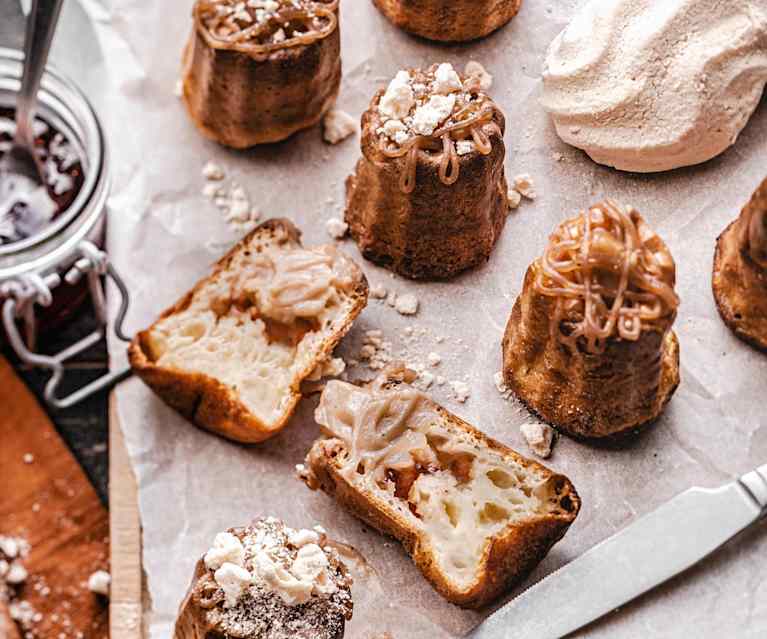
(41, 25)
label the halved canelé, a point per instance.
(429, 198)
(740, 272)
(475, 516)
(449, 20)
(257, 72)
(232, 353)
(589, 346)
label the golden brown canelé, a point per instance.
(255, 75)
(267, 581)
(740, 272)
(429, 198)
(589, 345)
(449, 20)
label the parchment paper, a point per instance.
(164, 234)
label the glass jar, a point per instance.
(44, 278)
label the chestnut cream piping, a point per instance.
(610, 275)
(477, 115)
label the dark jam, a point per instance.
(26, 211)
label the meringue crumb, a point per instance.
(539, 438)
(406, 304)
(337, 126)
(434, 359)
(336, 228)
(464, 147)
(16, 574)
(461, 391)
(99, 582)
(378, 292)
(25, 615)
(515, 198)
(13, 547)
(211, 191)
(28, 458)
(474, 69)
(525, 185)
(212, 171)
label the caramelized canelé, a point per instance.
(257, 72)
(428, 198)
(449, 20)
(589, 345)
(740, 272)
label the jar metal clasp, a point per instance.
(25, 292)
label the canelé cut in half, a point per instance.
(475, 516)
(231, 354)
(449, 20)
(589, 346)
(740, 272)
(259, 71)
(267, 581)
(429, 198)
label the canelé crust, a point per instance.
(437, 230)
(586, 395)
(739, 281)
(240, 98)
(449, 20)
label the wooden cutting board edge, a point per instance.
(126, 618)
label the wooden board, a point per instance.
(47, 499)
(127, 584)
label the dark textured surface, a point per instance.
(83, 427)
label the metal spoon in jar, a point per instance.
(25, 206)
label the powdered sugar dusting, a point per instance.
(261, 611)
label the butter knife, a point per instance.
(643, 555)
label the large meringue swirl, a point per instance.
(652, 85)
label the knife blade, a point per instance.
(646, 553)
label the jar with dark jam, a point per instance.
(51, 236)
(42, 234)
(24, 210)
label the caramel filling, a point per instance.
(399, 446)
(611, 276)
(753, 222)
(238, 25)
(257, 324)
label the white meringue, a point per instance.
(652, 85)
